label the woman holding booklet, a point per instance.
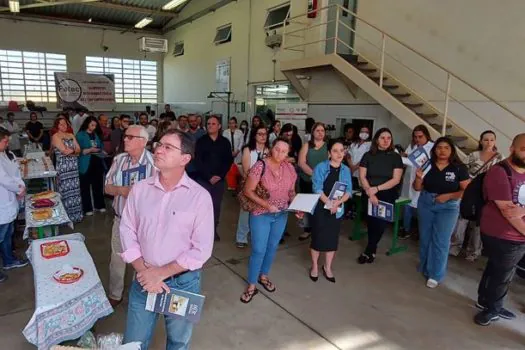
(333, 181)
(380, 173)
(268, 220)
(438, 208)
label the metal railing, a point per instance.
(377, 54)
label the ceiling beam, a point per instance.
(48, 4)
(113, 6)
(197, 15)
(69, 22)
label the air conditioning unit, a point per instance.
(153, 44)
(273, 40)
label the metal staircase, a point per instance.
(382, 75)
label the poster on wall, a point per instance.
(81, 90)
(222, 75)
(295, 113)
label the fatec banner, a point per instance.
(81, 90)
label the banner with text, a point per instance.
(295, 113)
(81, 90)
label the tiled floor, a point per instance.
(380, 306)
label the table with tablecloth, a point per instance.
(38, 168)
(64, 311)
(59, 217)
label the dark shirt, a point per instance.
(212, 158)
(380, 166)
(34, 129)
(497, 186)
(117, 141)
(168, 116)
(446, 180)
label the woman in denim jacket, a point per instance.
(326, 223)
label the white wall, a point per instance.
(479, 40)
(76, 43)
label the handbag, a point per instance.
(246, 203)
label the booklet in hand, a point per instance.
(337, 192)
(383, 211)
(419, 157)
(177, 303)
(304, 202)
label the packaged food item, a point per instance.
(43, 195)
(42, 214)
(42, 203)
(54, 249)
(68, 274)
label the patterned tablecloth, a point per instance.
(59, 217)
(38, 169)
(64, 311)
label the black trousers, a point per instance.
(216, 191)
(93, 180)
(503, 256)
(376, 227)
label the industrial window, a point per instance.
(178, 50)
(135, 80)
(223, 35)
(275, 17)
(26, 75)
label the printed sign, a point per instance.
(81, 90)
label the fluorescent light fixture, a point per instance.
(14, 6)
(144, 22)
(172, 4)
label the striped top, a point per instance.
(121, 163)
(476, 166)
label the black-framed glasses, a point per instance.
(131, 137)
(166, 146)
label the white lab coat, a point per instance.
(10, 185)
(14, 140)
(411, 173)
(237, 142)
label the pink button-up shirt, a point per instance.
(164, 227)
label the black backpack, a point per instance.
(474, 199)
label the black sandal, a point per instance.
(267, 284)
(249, 294)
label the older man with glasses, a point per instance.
(167, 235)
(135, 164)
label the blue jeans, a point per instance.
(6, 243)
(243, 227)
(436, 224)
(267, 230)
(408, 214)
(141, 323)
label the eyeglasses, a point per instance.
(167, 146)
(131, 137)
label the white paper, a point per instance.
(304, 202)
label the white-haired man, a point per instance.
(135, 164)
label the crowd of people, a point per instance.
(187, 167)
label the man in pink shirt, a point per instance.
(167, 231)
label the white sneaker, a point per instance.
(89, 213)
(103, 210)
(432, 283)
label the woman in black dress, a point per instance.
(380, 172)
(326, 223)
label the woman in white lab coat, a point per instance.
(420, 138)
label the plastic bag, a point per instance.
(109, 341)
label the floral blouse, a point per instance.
(280, 185)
